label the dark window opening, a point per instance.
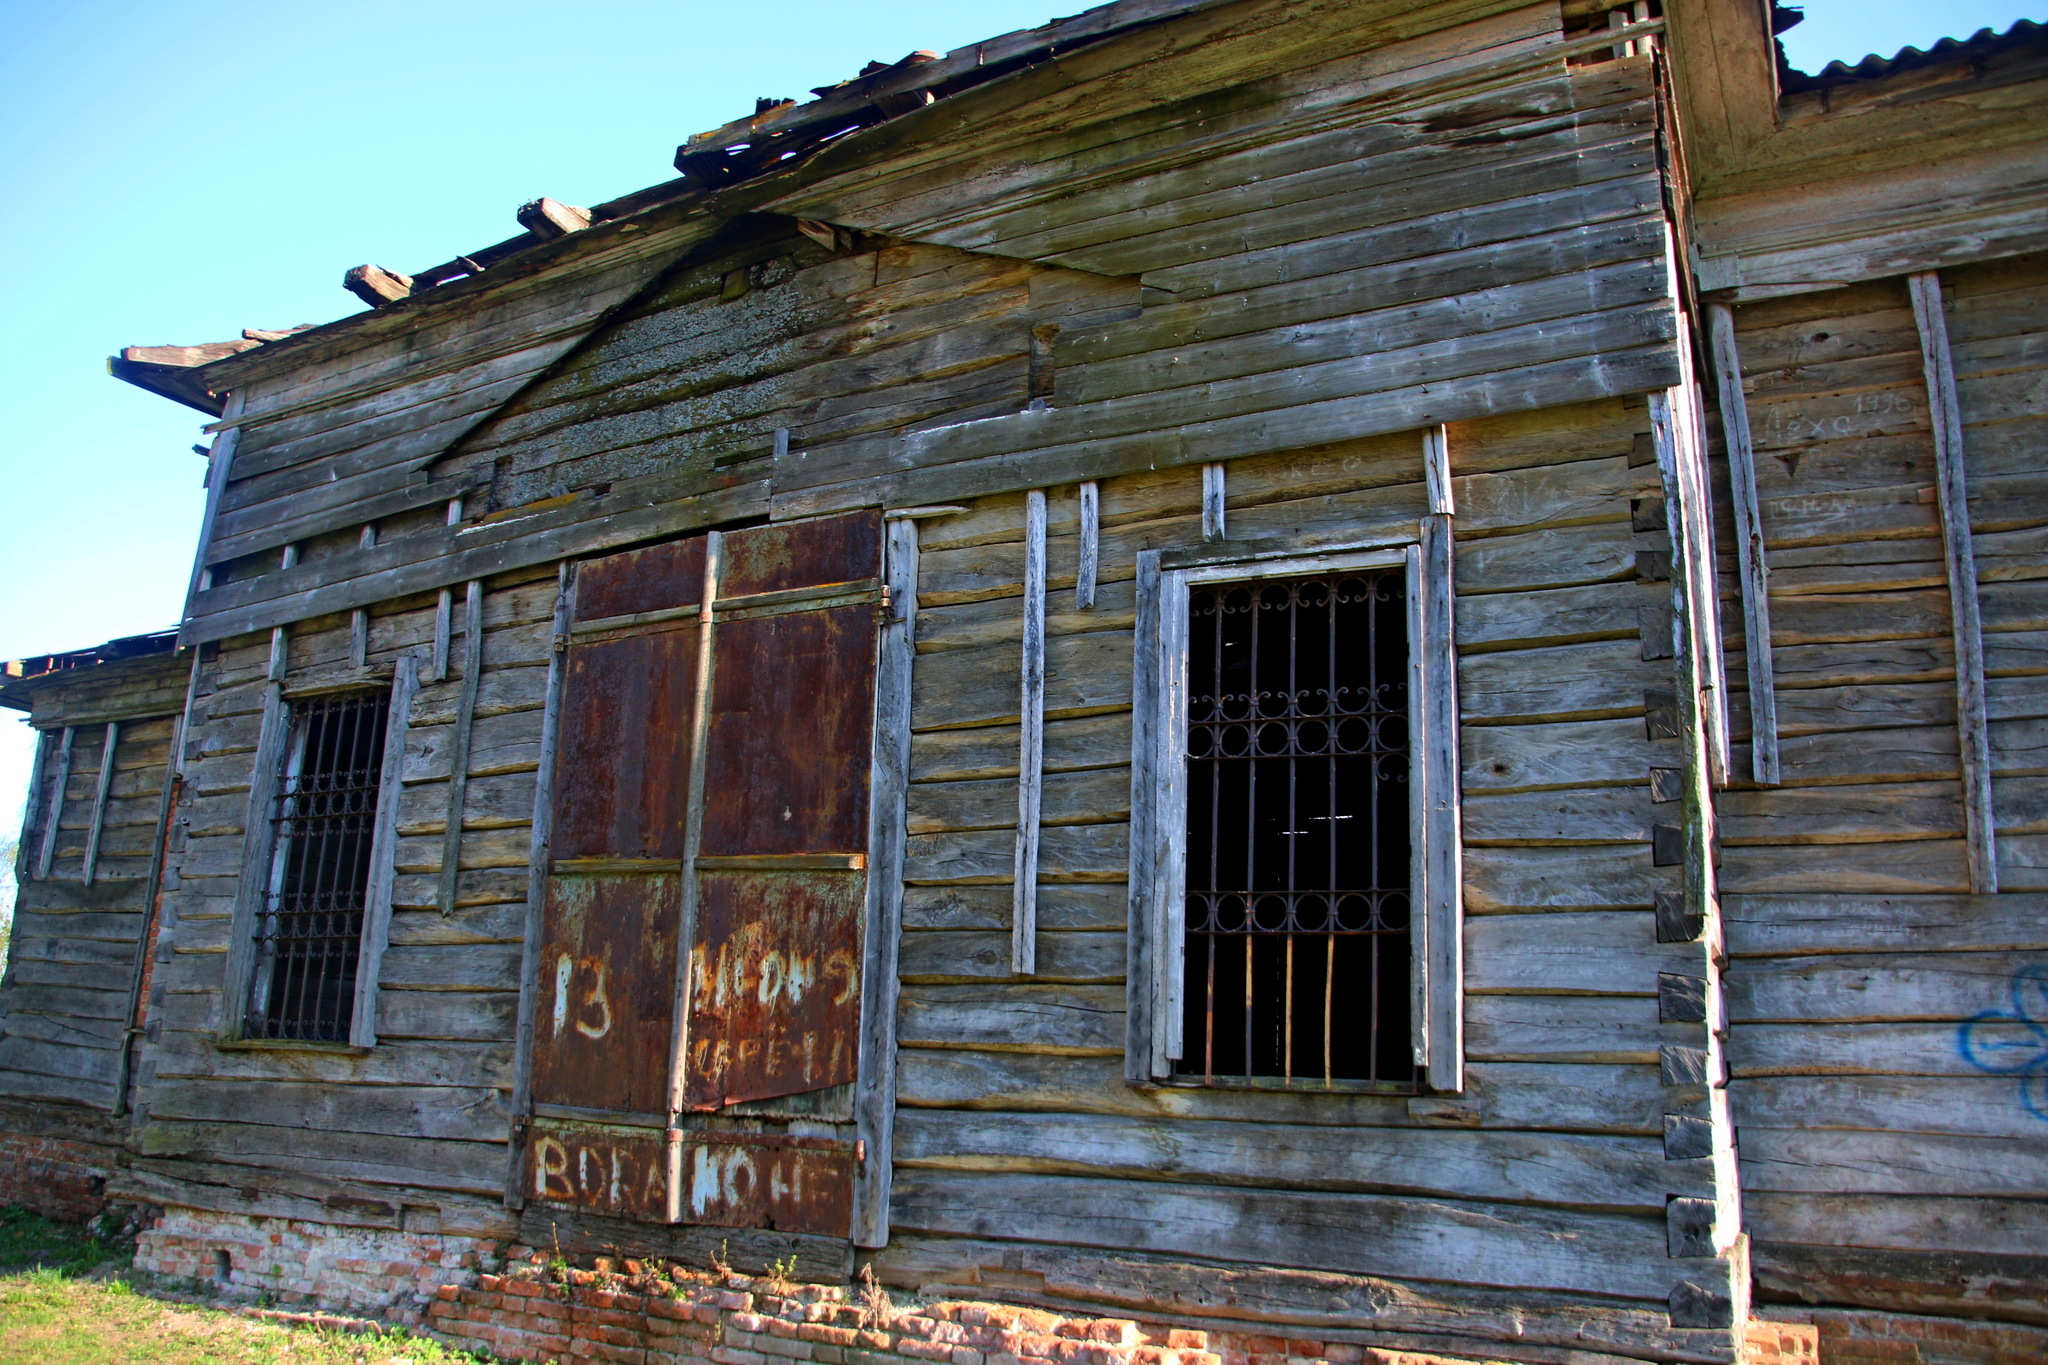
(309, 935)
(1297, 950)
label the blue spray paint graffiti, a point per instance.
(2015, 1042)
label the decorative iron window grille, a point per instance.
(309, 934)
(1297, 872)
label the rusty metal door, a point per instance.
(710, 795)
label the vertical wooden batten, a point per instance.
(258, 840)
(458, 749)
(1145, 1048)
(359, 619)
(1750, 562)
(96, 824)
(1434, 667)
(383, 853)
(145, 939)
(1953, 490)
(46, 854)
(1212, 502)
(218, 462)
(25, 862)
(1088, 561)
(1031, 743)
(875, 1092)
(538, 853)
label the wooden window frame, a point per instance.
(260, 849)
(1159, 791)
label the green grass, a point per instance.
(67, 1298)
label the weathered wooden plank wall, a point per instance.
(1017, 1122)
(64, 1003)
(1873, 1114)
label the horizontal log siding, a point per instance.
(1856, 961)
(72, 956)
(1012, 1088)
(424, 1116)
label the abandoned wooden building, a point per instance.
(1364, 672)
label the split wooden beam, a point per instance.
(1953, 492)
(874, 1103)
(1750, 562)
(1087, 565)
(376, 286)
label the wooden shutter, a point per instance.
(751, 853)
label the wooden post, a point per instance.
(383, 853)
(1953, 490)
(1091, 541)
(693, 829)
(1212, 502)
(98, 821)
(48, 852)
(458, 749)
(539, 850)
(1749, 547)
(1031, 743)
(218, 464)
(874, 1107)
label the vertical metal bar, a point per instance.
(1287, 1016)
(1212, 502)
(1091, 543)
(458, 748)
(1329, 1001)
(97, 823)
(1209, 1016)
(48, 852)
(1247, 936)
(219, 465)
(538, 854)
(383, 853)
(1953, 488)
(1750, 561)
(888, 781)
(693, 829)
(1031, 743)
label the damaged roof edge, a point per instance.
(19, 678)
(812, 123)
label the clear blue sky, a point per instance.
(175, 173)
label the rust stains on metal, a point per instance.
(802, 554)
(605, 1010)
(653, 579)
(624, 759)
(606, 1168)
(766, 1180)
(792, 708)
(774, 985)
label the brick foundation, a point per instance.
(1850, 1336)
(687, 1318)
(391, 1273)
(60, 1178)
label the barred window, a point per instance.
(1297, 967)
(309, 931)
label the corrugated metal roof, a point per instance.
(1982, 43)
